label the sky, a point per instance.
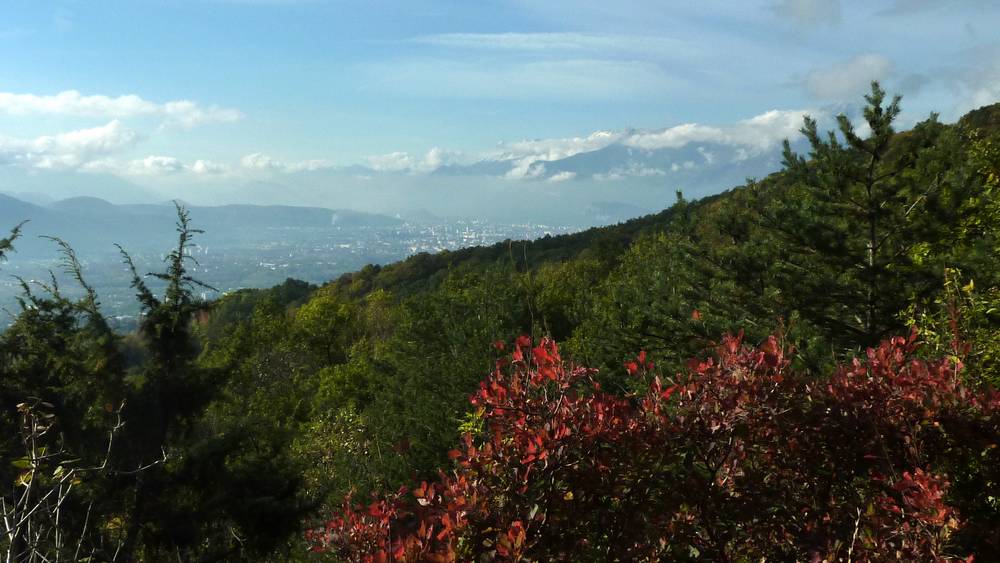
(218, 99)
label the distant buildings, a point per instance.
(309, 254)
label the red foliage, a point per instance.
(739, 458)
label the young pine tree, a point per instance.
(849, 221)
(168, 394)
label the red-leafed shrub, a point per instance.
(739, 458)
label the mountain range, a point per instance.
(541, 181)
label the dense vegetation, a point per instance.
(799, 368)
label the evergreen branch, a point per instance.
(72, 267)
(143, 294)
(7, 244)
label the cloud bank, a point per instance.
(101, 150)
(262, 162)
(71, 103)
(750, 136)
(68, 150)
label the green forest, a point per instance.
(803, 367)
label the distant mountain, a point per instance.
(60, 184)
(84, 205)
(30, 197)
(13, 211)
(698, 168)
(92, 224)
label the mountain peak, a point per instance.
(82, 203)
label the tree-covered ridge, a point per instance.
(225, 430)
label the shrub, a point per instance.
(738, 458)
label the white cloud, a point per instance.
(151, 165)
(849, 79)
(770, 128)
(154, 166)
(750, 136)
(527, 156)
(68, 150)
(436, 158)
(157, 165)
(208, 167)
(189, 114)
(563, 176)
(527, 168)
(260, 161)
(675, 137)
(72, 103)
(406, 162)
(392, 162)
(557, 149)
(708, 155)
(808, 12)
(308, 165)
(631, 169)
(758, 133)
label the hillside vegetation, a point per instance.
(800, 368)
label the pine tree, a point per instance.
(7, 244)
(170, 392)
(849, 220)
(60, 382)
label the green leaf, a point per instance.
(23, 463)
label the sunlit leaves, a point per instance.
(738, 458)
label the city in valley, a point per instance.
(312, 254)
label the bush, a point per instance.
(738, 458)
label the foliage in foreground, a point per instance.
(104, 440)
(210, 433)
(738, 458)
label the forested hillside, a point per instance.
(800, 368)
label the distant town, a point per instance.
(310, 254)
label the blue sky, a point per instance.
(145, 90)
